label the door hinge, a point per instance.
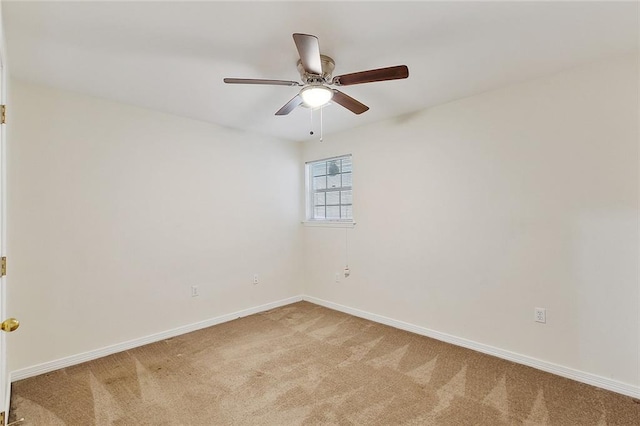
(3, 270)
(3, 114)
(2, 418)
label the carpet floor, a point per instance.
(304, 364)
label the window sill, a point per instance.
(328, 224)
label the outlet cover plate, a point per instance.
(540, 315)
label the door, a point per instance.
(6, 325)
(4, 380)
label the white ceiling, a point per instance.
(172, 56)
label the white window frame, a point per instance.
(310, 193)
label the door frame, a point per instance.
(5, 380)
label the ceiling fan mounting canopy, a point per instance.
(316, 72)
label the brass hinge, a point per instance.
(2, 418)
(3, 272)
(3, 114)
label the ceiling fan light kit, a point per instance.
(316, 95)
(316, 74)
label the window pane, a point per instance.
(346, 179)
(318, 213)
(333, 212)
(319, 182)
(333, 181)
(333, 167)
(319, 198)
(333, 197)
(346, 164)
(346, 212)
(346, 197)
(319, 169)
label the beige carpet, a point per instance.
(303, 364)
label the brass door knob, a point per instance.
(9, 325)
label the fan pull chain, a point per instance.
(347, 271)
(311, 123)
(321, 108)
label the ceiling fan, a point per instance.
(315, 72)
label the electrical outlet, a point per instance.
(255, 279)
(540, 315)
(194, 291)
(337, 277)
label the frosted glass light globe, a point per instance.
(315, 96)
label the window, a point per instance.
(329, 189)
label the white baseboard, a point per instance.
(570, 373)
(99, 353)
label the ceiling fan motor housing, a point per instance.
(328, 65)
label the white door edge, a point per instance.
(5, 384)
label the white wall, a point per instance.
(469, 215)
(472, 213)
(115, 212)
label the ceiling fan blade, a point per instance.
(290, 106)
(348, 102)
(381, 74)
(261, 81)
(309, 50)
